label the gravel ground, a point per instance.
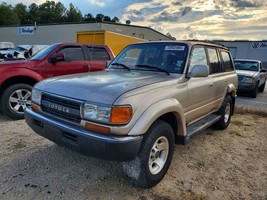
(229, 164)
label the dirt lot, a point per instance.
(230, 164)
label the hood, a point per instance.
(15, 63)
(246, 73)
(100, 87)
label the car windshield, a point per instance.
(44, 52)
(161, 57)
(247, 65)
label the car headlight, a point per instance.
(36, 96)
(248, 80)
(96, 113)
(104, 114)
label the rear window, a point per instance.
(227, 62)
(97, 53)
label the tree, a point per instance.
(89, 18)
(34, 14)
(50, 12)
(73, 14)
(7, 15)
(22, 13)
(115, 19)
(107, 19)
(100, 17)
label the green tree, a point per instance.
(107, 19)
(100, 17)
(89, 18)
(34, 14)
(115, 19)
(74, 14)
(51, 12)
(7, 15)
(22, 13)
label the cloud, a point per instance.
(248, 3)
(202, 19)
(97, 2)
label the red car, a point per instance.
(18, 77)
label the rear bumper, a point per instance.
(76, 137)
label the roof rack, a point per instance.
(207, 41)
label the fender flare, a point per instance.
(153, 112)
(14, 72)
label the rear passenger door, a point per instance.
(217, 73)
(200, 89)
(74, 62)
(98, 57)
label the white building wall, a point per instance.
(49, 34)
(248, 49)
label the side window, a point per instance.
(198, 57)
(98, 53)
(226, 59)
(73, 53)
(214, 61)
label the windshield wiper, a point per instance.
(122, 65)
(153, 67)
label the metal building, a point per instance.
(247, 49)
(49, 34)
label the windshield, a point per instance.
(44, 52)
(247, 65)
(161, 57)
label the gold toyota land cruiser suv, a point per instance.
(152, 95)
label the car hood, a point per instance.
(246, 73)
(101, 87)
(15, 63)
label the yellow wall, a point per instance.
(114, 40)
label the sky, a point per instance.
(184, 19)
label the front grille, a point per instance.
(240, 79)
(61, 107)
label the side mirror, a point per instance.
(58, 57)
(200, 71)
(263, 70)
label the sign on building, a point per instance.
(26, 30)
(259, 45)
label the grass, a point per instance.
(253, 111)
(236, 133)
(201, 163)
(238, 123)
(19, 145)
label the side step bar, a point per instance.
(197, 127)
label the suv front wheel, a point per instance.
(154, 157)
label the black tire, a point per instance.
(255, 91)
(226, 113)
(142, 173)
(262, 87)
(14, 100)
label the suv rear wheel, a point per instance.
(154, 157)
(226, 113)
(15, 99)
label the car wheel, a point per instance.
(262, 87)
(15, 99)
(225, 112)
(255, 91)
(154, 157)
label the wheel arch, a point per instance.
(170, 111)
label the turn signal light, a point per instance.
(96, 128)
(35, 107)
(120, 115)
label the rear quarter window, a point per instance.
(98, 53)
(226, 61)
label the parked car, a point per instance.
(152, 95)
(22, 52)
(18, 77)
(251, 76)
(5, 48)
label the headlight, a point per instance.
(248, 80)
(96, 113)
(113, 115)
(36, 96)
